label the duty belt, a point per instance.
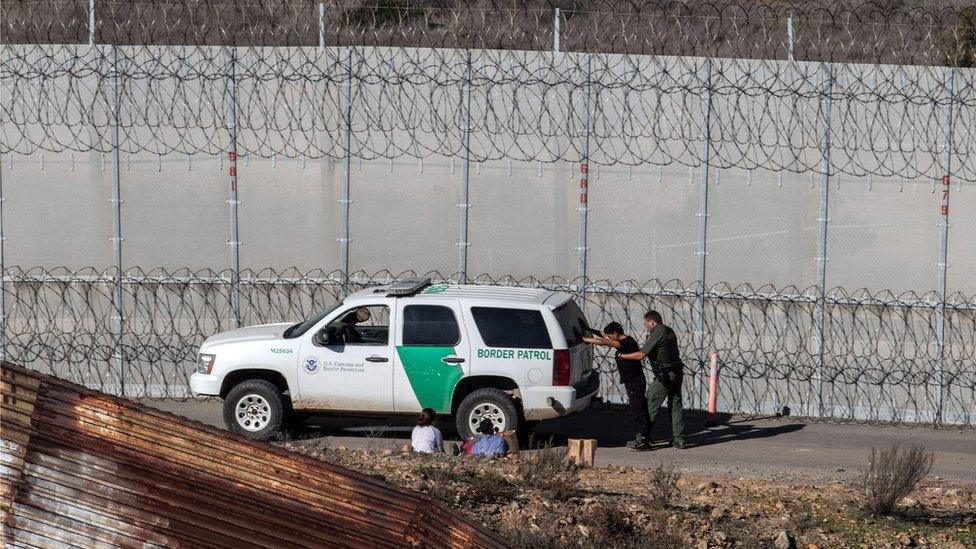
(662, 369)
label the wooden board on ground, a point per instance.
(582, 452)
(511, 438)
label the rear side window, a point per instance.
(430, 325)
(572, 322)
(520, 328)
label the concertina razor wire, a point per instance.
(314, 80)
(878, 356)
(630, 77)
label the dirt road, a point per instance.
(781, 448)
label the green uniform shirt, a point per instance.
(661, 346)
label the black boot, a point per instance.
(639, 443)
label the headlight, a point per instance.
(205, 363)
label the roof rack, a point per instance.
(408, 287)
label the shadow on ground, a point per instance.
(611, 426)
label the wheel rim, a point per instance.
(252, 412)
(487, 410)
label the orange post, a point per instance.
(712, 392)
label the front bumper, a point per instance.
(204, 384)
(547, 402)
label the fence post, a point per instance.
(702, 216)
(117, 219)
(344, 201)
(3, 276)
(943, 248)
(827, 82)
(789, 36)
(230, 101)
(321, 26)
(584, 205)
(555, 32)
(463, 204)
(91, 23)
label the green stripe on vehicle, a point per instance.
(432, 380)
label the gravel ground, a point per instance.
(536, 500)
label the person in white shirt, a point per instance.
(427, 439)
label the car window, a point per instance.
(363, 325)
(299, 329)
(572, 322)
(430, 325)
(520, 328)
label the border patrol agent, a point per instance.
(661, 347)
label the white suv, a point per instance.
(508, 354)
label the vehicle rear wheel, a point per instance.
(255, 408)
(493, 404)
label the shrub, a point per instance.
(442, 482)
(892, 475)
(545, 534)
(664, 484)
(547, 469)
(488, 487)
(608, 523)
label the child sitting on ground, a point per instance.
(487, 442)
(427, 439)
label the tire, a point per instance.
(493, 403)
(256, 409)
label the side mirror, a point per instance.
(330, 335)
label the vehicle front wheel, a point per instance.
(493, 404)
(255, 408)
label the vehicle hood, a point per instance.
(265, 332)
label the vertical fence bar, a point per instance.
(321, 26)
(3, 275)
(827, 82)
(943, 249)
(464, 204)
(557, 23)
(584, 205)
(117, 218)
(91, 23)
(344, 201)
(230, 104)
(789, 36)
(702, 216)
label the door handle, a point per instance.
(376, 358)
(452, 360)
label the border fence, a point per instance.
(803, 154)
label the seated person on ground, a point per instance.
(426, 439)
(487, 442)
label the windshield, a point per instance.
(572, 322)
(304, 326)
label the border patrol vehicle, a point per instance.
(512, 355)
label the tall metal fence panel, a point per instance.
(792, 186)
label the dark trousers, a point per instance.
(637, 398)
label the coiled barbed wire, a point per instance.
(630, 84)
(631, 81)
(879, 352)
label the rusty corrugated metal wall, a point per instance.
(81, 468)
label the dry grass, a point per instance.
(488, 487)
(893, 474)
(548, 470)
(663, 481)
(608, 522)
